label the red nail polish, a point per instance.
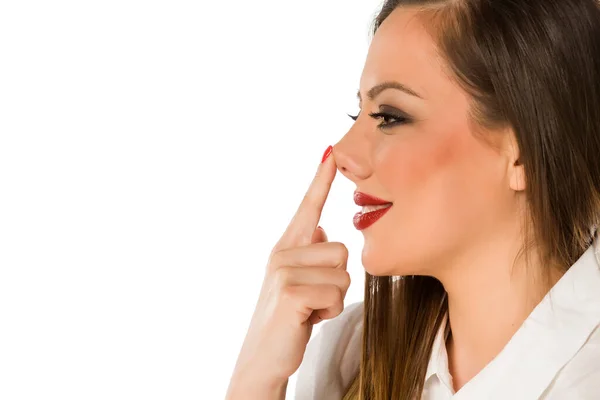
(326, 154)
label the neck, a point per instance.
(488, 300)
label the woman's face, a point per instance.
(449, 189)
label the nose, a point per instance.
(351, 157)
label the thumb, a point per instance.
(319, 235)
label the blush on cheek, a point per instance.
(407, 166)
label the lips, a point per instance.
(363, 199)
(373, 209)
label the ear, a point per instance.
(516, 170)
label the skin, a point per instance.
(305, 282)
(457, 200)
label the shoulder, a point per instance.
(332, 356)
(580, 377)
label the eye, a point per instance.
(389, 119)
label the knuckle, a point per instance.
(336, 303)
(346, 280)
(341, 251)
(335, 295)
(277, 247)
(287, 294)
(275, 259)
(339, 307)
(281, 277)
(337, 310)
(340, 296)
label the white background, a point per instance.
(151, 154)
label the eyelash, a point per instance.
(400, 120)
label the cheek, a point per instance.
(427, 178)
(445, 177)
(443, 181)
(416, 165)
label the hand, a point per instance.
(305, 282)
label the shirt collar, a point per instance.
(551, 335)
(438, 361)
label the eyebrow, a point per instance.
(375, 90)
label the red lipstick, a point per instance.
(363, 199)
(373, 209)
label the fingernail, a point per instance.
(326, 154)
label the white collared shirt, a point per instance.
(554, 355)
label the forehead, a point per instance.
(403, 50)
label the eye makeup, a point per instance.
(391, 117)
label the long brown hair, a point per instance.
(533, 66)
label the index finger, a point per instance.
(306, 219)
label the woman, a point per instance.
(479, 136)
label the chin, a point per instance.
(376, 265)
(383, 261)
